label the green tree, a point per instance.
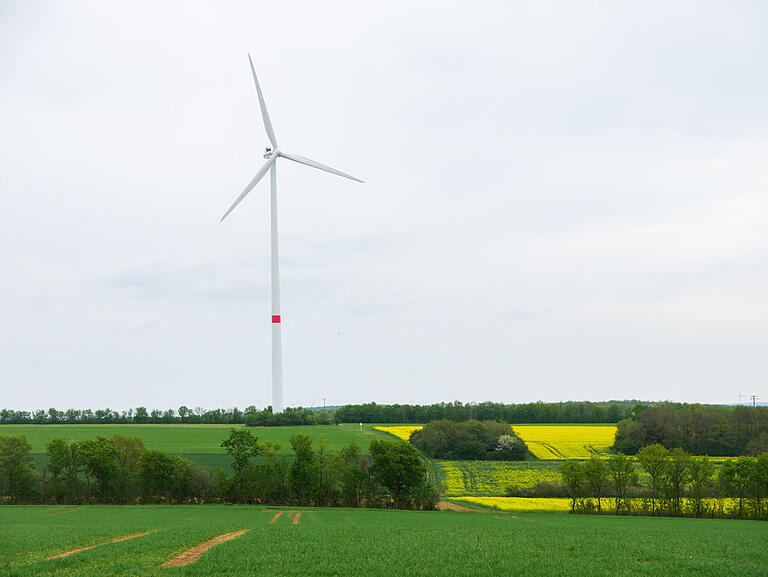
(129, 451)
(17, 469)
(164, 477)
(744, 469)
(596, 476)
(677, 473)
(700, 471)
(59, 456)
(654, 459)
(99, 458)
(57, 451)
(761, 470)
(141, 415)
(329, 466)
(397, 466)
(242, 446)
(354, 473)
(572, 473)
(620, 471)
(305, 471)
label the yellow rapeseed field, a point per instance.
(566, 441)
(564, 504)
(493, 477)
(521, 503)
(547, 442)
(400, 431)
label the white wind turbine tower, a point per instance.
(272, 154)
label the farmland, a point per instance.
(492, 478)
(400, 431)
(462, 480)
(199, 443)
(370, 542)
(546, 442)
(566, 441)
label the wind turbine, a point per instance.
(272, 154)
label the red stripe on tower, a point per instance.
(276, 318)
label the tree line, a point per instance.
(120, 470)
(539, 412)
(678, 484)
(568, 412)
(251, 416)
(715, 430)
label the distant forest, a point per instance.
(698, 429)
(539, 412)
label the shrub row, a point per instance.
(121, 470)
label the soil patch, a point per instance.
(193, 554)
(448, 506)
(73, 551)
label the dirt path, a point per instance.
(73, 551)
(193, 554)
(448, 506)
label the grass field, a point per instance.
(366, 542)
(199, 443)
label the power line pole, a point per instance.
(754, 399)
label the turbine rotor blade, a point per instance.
(254, 181)
(313, 164)
(262, 104)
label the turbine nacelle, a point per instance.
(269, 153)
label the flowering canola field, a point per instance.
(564, 504)
(546, 442)
(488, 478)
(521, 503)
(400, 431)
(566, 441)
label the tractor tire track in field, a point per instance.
(62, 511)
(191, 555)
(296, 516)
(73, 551)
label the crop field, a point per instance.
(112, 541)
(199, 443)
(547, 442)
(491, 478)
(566, 441)
(400, 431)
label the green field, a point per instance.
(189, 438)
(199, 443)
(364, 542)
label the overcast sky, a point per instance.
(562, 201)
